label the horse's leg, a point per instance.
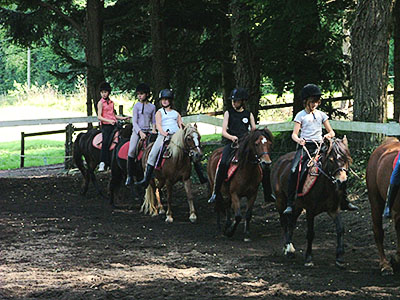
(169, 218)
(340, 241)
(310, 238)
(160, 207)
(288, 223)
(249, 214)
(85, 182)
(189, 194)
(238, 216)
(386, 268)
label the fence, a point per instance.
(386, 129)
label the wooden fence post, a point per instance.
(22, 158)
(120, 110)
(69, 130)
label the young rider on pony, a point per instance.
(309, 121)
(143, 121)
(108, 118)
(236, 123)
(168, 121)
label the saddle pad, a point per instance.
(231, 170)
(311, 178)
(395, 160)
(97, 141)
(123, 151)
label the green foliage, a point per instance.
(37, 153)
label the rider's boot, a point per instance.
(391, 195)
(129, 166)
(199, 170)
(145, 181)
(291, 193)
(219, 180)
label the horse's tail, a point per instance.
(77, 153)
(149, 206)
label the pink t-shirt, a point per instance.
(108, 110)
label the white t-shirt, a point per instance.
(169, 120)
(311, 124)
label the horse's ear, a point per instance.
(345, 141)
(183, 126)
(195, 125)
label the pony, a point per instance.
(253, 157)
(379, 170)
(325, 195)
(184, 147)
(87, 157)
(119, 162)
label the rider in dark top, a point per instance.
(236, 123)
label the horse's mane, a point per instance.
(177, 143)
(246, 145)
(339, 148)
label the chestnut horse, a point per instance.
(324, 196)
(253, 156)
(84, 149)
(379, 170)
(184, 147)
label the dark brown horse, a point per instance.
(254, 151)
(119, 169)
(84, 149)
(379, 170)
(324, 196)
(184, 148)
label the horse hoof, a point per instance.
(193, 218)
(247, 239)
(289, 250)
(309, 264)
(161, 211)
(169, 219)
(340, 264)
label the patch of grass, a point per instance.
(37, 153)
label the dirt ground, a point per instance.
(56, 244)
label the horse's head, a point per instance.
(256, 145)
(337, 160)
(192, 142)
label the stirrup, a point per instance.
(387, 213)
(213, 198)
(128, 181)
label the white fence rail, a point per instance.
(389, 129)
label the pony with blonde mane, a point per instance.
(183, 148)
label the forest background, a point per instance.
(203, 49)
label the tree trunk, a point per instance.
(226, 53)
(247, 67)
(396, 36)
(182, 92)
(370, 53)
(93, 53)
(159, 48)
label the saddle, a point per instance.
(233, 165)
(308, 177)
(98, 140)
(142, 144)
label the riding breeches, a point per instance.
(395, 178)
(133, 144)
(107, 135)
(155, 150)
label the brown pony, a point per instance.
(379, 170)
(253, 152)
(184, 147)
(325, 195)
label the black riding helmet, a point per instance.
(239, 94)
(310, 90)
(105, 86)
(143, 88)
(166, 94)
